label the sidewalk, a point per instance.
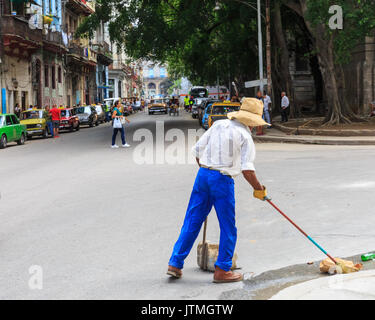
(354, 286)
(277, 136)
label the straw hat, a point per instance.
(250, 113)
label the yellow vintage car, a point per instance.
(158, 105)
(35, 123)
(219, 111)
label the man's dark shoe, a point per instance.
(222, 276)
(174, 272)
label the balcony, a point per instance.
(81, 55)
(104, 55)
(80, 7)
(53, 42)
(18, 39)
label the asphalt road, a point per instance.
(98, 225)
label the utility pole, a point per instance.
(260, 46)
(269, 61)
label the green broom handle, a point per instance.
(303, 232)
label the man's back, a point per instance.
(226, 146)
(55, 114)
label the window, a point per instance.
(8, 121)
(103, 77)
(53, 77)
(150, 73)
(59, 75)
(14, 119)
(162, 73)
(46, 76)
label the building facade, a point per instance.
(43, 63)
(155, 80)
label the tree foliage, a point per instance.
(202, 43)
(197, 41)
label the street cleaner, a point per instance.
(225, 151)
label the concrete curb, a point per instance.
(326, 132)
(354, 286)
(353, 141)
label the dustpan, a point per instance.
(207, 253)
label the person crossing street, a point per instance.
(225, 151)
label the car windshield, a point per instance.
(223, 110)
(199, 93)
(66, 113)
(84, 110)
(157, 101)
(2, 121)
(37, 114)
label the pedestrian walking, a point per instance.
(284, 107)
(225, 151)
(17, 110)
(56, 118)
(267, 108)
(259, 96)
(186, 102)
(48, 117)
(118, 118)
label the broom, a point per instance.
(340, 265)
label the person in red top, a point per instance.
(56, 118)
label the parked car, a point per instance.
(69, 120)
(11, 130)
(87, 115)
(158, 105)
(202, 108)
(35, 124)
(101, 114)
(205, 113)
(219, 111)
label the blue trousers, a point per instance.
(50, 128)
(115, 131)
(211, 188)
(266, 116)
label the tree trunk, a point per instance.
(284, 57)
(339, 110)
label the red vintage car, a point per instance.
(69, 120)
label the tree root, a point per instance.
(341, 119)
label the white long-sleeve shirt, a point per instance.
(228, 147)
(285, 102)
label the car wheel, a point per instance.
(21, 141)
(97, 123)
(45, 134)
(91, 124)
(3, 141)
(29, 137)
(78, 127)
